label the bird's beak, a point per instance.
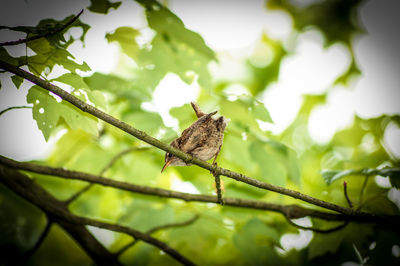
(166, 165)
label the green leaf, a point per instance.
(126, 38)
(322, 244)
(261, 112)
(174, 49)
(21, 223)
(244, 113)
(17, 80)
(334, 242)
(272, 170)
(150, 215)
(72, 79)
(265, 63)
(393, 174)
(164, 21)
(77, 83)
(69, 147)
(102, 6)
(255, 241)
(237, 190)
(122, 88)
(146, 121)
(48, 113)
(331, 175)
(239, 112)
(6, 57)
(48, 55)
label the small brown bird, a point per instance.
(203, 139)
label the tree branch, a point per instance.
(165, 147)
(290, 211)
(155, 229)
(74, 224)
(49, 33)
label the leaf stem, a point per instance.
(14, 107)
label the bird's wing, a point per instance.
(195, 135)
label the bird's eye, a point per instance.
(169, 155)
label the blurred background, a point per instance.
(354, 63)
(308, 85)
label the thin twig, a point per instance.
(14, 107)
(118, 156)
(293, 211)
(219, 190)
(137, 235)
(165, 147)
(78, 194)
(105, 168)
(317, 230)
(346, 195)
(155, 229)
(49, 33)
(364, 185)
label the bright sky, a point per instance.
(231, 30)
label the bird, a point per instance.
(202, 139)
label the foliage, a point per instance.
(222, 235)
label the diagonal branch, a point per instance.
(290, 211)
(165, 147)
(58, 211)
(49, 33)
